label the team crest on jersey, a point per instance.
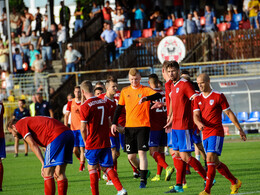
(200, 103)
(177, 90)
(44, 105)
(211, 102)
(139, 95)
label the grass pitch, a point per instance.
(22, 175)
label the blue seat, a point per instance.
(254, 116)
(180, 31)
(148, 24)
(242, 116)
(136, 33)
(237, 17)
(226, 119)
(126, 43)
(234, 25)
(167, 23)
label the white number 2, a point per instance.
(163, 109)
(102, 116)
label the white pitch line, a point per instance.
(249, 193)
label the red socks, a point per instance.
(82, 166)
(179, 165)
(49, 186)
(223, 170)
(1, 174)
(133, 167)
(93, 175)
(159, 159)
(159, 168)
(62, 186)
(210, 176)
(197, 167)
(115, 165)
(113, 176)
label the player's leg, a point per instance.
(62, 181)
(76, 150)
(2, 155)
(199, 149)
(16, 146)
(115, 148)
(82, 151)
(25, 148)
(1, 174)
(49, 184)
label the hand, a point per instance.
(120, 129)
(168, 130)
(242, 135)
(113, 129)
(157, 105)
(201, 126)
(42, 171)
(142, 100)
(168, 126)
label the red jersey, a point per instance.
(181, 94)
(94, 112)
(2, 110)
(158, 116)
(73, 107)
(211, 108)
(121, 119)
(43, 129)
(111, 104)
(167, 86)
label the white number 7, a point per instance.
(102, 117)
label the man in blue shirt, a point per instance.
(42, 107)
(109, 36)
(210, 20)
(19, 113)
(190, 26)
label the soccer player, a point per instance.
(2, 144)
(73, 108)
(98, 91)
(136, 99)
(19, 113)
(158, 137)
(181, 124)
(95, 133)
(58, 141)
(208, 107)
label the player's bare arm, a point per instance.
(51, 113)
(158, 105)
(115, 119)
(66, 118)
(113, 129)
(197, 120)
(36, 150)
(84, 131)
(234, 120)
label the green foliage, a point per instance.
(17, 4)
(87, 4)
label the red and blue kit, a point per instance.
(167, 86)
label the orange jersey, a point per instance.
(73, 107)
(137, 115)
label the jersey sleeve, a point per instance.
(22, 128)
(196, 104)
(189, 91)
(121, 98)
(223, 102)
(84, 113)
(69, 106)
(150, 91)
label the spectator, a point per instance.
(11, 97)
(232, 4)
(139, 17)
(14, 21)
(95, 10)
(9, 83)
(28, 19)
(71, 57)
(64, 15)
(38, 66)
(15, 45)
(196, 18)
(109, 36)
(190, 26)
(4, 57)
(118, 22)
(245, 9)
(34, 39)
(25, 42)
(159, 26)
(42, 107)
(54, 43)
(33, 53)
(51, 91)
(46, 24)
(19, 113)
(210, 20)
(18, 62)
(47, 39)
(98, 91)
(107, 10)
(79, 17)
(178, 8)
(4, 22)
(64, 110)
(38, 19)
(253, 7)
(61, 34)
(32, 106)
(23, 95)
(3, 96)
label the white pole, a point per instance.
(9, 36)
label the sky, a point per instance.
(42, 3)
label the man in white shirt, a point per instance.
(38, 67)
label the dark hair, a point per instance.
(99, 88)
(16, 50)
(23, 101)
(154, 79)
(77, 87)
(111, 78)
(11, 122)
(173, 64)
(185, 72)
(99, 83)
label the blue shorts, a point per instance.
(181, 140)
(60, 150)
(169, 139)
(2, 148)
(213, 144)
(115, 143)
(158, 138)
(122, 140)
(102, 156)
(196, 137)
(78, 140)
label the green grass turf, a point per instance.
(22, 174)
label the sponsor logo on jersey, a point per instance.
(200, 103)
(211, 102)
(139, 95)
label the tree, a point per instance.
(17, 4)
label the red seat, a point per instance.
(118, 43)
(147, 33)
(127, 34)
(179, 22)
(223, 26)
(246, 25)
(202, 21)
(170, 31)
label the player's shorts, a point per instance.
(115, 143)
(136, 138)
(2, 148)
(213, 144)
(78, 140)
(196, 137)
(169, 139)
(122, 140)
(102, 156)
(181, 140)
(60, 150)
(158, 138)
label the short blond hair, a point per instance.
(86, 86)
(133, 72)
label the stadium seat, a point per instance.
(223, 27)
(237, 17)
(180, 31)
(242, 117)
(118, 43)
(246, 25)
(234, 25)
(226, 119)
(127, 34)
(254, 116)
(147, 33)
(202, 21)
(167, 23)
(148, 24)
(179, 22)
(136, 33)
(126, 43)
(170, 31)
